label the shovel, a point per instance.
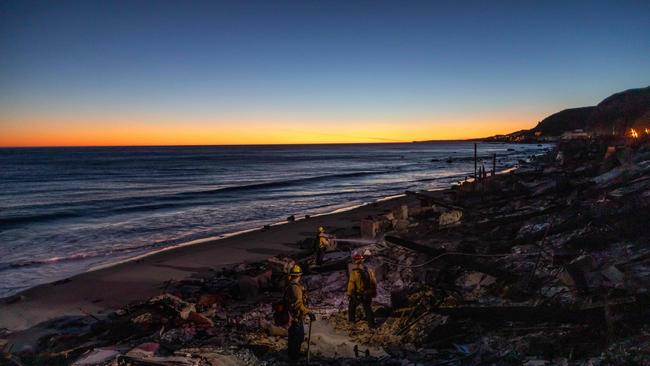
(309, 341)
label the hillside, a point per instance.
(620, 112)
(566, 120)
(615, 115)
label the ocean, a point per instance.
(64, 211)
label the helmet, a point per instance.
(358, 257)
(321, 229)
(295, 270)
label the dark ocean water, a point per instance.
(66, 210)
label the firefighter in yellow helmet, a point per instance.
(295, 296)
(362, 287)
(322, 242)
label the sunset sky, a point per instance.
(255, 72)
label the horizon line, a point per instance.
(271, 144)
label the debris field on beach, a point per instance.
(547, 264)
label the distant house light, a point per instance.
(578, 134)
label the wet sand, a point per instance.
(101, 291)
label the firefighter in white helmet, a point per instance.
(362, 287)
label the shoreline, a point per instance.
(215, 238)
(103, 289)
(197, 241)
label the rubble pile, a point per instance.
(548, 264)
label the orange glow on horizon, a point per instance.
(107, 132)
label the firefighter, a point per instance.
(296, 298)
(322, 242)
(362, 287)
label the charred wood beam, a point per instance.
(466, 260)
(509, 219)
(529, 314)
(330, 267)
(132, 361)
(415, 246)
(498, 200)
(593, 313)
(432, 200)
(470, 263)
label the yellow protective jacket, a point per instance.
(323, 240)
(296, 298)
(356, 284)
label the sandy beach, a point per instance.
(103, 290)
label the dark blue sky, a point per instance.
(304, 65)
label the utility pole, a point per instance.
(475, 159)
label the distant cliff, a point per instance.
(566, 120)
(615, 115)
(620, 112)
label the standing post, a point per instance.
(475, 158)
(494, 164)
(309, 341)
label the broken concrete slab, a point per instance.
(328, 342)
(450, 218)
(98, 356)
(144, 350)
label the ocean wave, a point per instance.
(40, 217)
(158, 202)
(285, 183)
(47, 261)
(127, 205)
(75, 257)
